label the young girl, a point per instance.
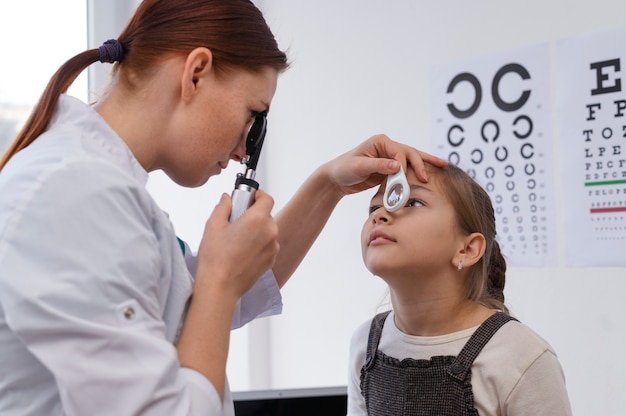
(448, 346)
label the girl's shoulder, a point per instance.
(516, 335)
(518, 369)
(517, 347)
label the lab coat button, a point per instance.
(129, 313)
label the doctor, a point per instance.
(102, 309)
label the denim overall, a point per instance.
(440, 386)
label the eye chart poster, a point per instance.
(491, 116)
(591, 104)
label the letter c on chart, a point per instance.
(465, 77)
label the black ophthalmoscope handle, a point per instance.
(245, 185)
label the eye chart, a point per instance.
(491, 116)
(591, 104)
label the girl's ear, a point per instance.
(472, 250)
(198, 66)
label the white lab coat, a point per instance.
(93, 283)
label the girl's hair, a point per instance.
(234, 30)
(475, 214)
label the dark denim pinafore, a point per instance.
(440, 386)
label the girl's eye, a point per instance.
(411, 203)
(414, 203)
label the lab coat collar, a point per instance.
(97, 134)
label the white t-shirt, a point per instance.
(516, 374)
(93, 282)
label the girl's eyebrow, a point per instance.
(422, 187)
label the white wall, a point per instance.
(360, 67)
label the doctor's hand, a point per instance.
(238, 253)
(231, 259)
(368, 164)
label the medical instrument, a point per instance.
(245, 184)
(396, 192)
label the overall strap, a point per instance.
(376, 330)
(476, 343)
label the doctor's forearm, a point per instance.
(204, 341)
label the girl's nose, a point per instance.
(380, 215)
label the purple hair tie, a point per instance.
(111, 51)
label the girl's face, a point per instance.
(420, 238)
(217, 127)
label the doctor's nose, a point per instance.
(239, 152)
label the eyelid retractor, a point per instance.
(396, 192)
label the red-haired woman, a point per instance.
(102, 309)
